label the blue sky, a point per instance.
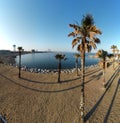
(43, 24)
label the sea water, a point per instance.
(48, 60)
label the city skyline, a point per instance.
(44, 25)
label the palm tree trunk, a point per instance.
(113, 64)
(19, 75)
(114, 61)
(82, 102)
(59, 70)
(104, 70)
(77, 65)
(104, 77)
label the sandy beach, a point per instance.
(38, 98)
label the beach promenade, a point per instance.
(38, 98)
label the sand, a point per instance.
(39, 98)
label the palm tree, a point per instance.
(113, 47)
(85, 39)
(59, 57)
(20, 51)
(102, 54)
(117, 51)
(110, 56)
(77, 55)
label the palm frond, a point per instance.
(113, 47)
(73, 26)
(94, 29)
(71, 34)
(77, 55)
(98, 31)
(101, 54)
(87, 20)
(111, 55)
(98, 54)
(91, 35)
(92, 44)
(77, 28)
(59, 56)
(80, 47)
(75, 41)
(20, 49)
(88, 47)
(96, 40)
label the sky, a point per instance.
(44, 24)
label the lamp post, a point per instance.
(20, 51)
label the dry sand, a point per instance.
(38, 98)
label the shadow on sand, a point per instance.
(65, 81)
(51, 91)
(94, 77)
(112, 101)
(69, 80)
(38, 90)
(89, 114)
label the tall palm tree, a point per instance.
(59, 57)
(102, 54)
(20, 51)
(113, 47)
(85, 39)
(76, 55)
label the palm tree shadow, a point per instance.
(62, 81)
(112, 77)
(99, 75)
(100, 99)
(94, 77)
(92, 72)
(65, 81)
(29, 80)
(39, 90)
(113, 99)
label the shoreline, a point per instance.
(44, 71)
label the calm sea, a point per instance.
(48, 61)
